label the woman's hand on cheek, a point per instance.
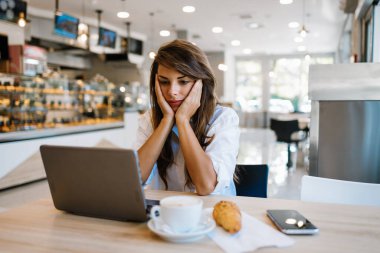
(191, 103)
(167, 111)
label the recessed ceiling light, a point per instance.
(164, 33)
(235, 43)
(293, 24)
(253, 25)
(217, 29)
(301, 48)
(122, 14)
(298, 39)
(188, 9)
(247, 51)
(286, 1)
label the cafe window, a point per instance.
(288, 82)
(249, 84)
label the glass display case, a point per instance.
(30, 103)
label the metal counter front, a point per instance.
(345, 120)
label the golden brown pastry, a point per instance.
(227, 215)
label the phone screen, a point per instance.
(291, 222)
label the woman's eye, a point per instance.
(163, 82)
(184, 82)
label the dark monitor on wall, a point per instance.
(107, 38)
(10, 10)
(4, 50)
(66, 25)
(135, 45)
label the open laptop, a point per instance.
(96, 182)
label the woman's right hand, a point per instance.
(167, 111)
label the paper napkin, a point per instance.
(254, 234)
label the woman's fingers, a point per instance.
(165, 107)
(192, 102)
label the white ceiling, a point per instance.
(323, 19)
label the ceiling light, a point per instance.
(235, 43)
(301, 48)
(188, 9)
(253, 25)
(122, 14)
(222, 67)
(128, 100)
(83, 37)
(298, 39)
(293, 24)
(217, 29)
(303, 32)
(286, 1)
(122, 89)
(21, 20)
(247, 51)
(152, 55)
(164, 33)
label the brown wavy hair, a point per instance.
(190, 61)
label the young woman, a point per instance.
(187, 142)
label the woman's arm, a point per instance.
(197, 162)
(150, 151)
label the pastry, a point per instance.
(227, 215)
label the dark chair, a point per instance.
(251, 180)
(284, 130)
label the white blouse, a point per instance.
(223, 151)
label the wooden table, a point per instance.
(39, 227)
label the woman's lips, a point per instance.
(175, 103)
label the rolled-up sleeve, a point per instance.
(224, 148)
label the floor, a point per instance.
(257, 146)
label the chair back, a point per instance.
(252, 180)
(284, 129)
(328, 190)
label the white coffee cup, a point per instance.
(181, 213)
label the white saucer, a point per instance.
(206, 225)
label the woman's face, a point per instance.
(174, 86)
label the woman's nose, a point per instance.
(174, 89)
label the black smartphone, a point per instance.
(292, 222)
(149, 204)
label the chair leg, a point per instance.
(290, 163)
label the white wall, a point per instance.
(16, 35)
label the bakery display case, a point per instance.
(36, 103)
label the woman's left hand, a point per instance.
(191, 103)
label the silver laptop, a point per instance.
(96, 182)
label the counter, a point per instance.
(43, 133)
(20, 156)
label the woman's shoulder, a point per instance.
(224, 115)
